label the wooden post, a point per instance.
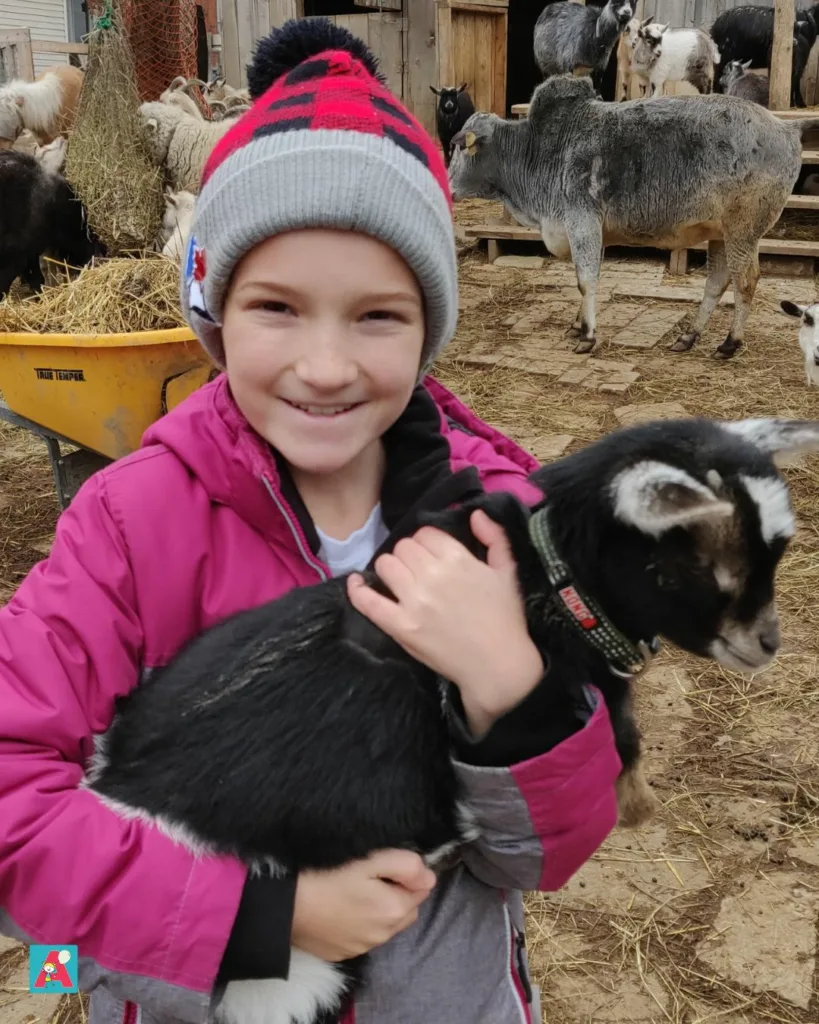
(421, 70)
(283, 10)
(782, 55)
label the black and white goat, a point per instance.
(808, 336)
(575, 39)
(661, 55)
(297, 735)
(746, 34)
(455, 107)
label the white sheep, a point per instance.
(674, 55)
(176, 95)
(178, 143)
(46, 107)
(231, 107)
(176, 224)
(52, 156)
(808, 336)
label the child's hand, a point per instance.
(461, 617)
(346, 912)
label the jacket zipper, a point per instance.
(296, 530)
(517, 967)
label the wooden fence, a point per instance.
(17, 50)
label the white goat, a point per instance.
(176, 95)
(663, 55)
(176, 224)
(808, 336)
(218, 89)
(47, 106)
(179, 144)
(52, 156)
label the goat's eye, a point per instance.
(809, 321)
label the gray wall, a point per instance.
(696, 13)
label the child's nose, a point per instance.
(326, 370)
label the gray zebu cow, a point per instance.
(669, 172)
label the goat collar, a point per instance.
(624, 658)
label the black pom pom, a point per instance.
(296, 41)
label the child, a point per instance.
(321, 274)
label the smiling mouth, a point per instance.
(322, 410)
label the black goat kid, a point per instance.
(298, 736)
(455, 107)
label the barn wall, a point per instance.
(45, 18)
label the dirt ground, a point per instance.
(709, 914)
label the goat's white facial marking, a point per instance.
(770, 494)
(726, 579)
(748, 646)
(655, 497)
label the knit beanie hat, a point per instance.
(325, 144)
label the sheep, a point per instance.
(746, 33)
(454, 107)
(179, 143)
(39, 214)
(573, 38)
(176, 96)
(52, 156)
(808, 336)
(669, 529)
(46, 107)
(674, 55)
(176, 224)
(736, 81)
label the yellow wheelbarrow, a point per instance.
(97, 392)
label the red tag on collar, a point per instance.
(574, 603)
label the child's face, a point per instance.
(323, 332)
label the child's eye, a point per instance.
(276, 307)
(382, 314)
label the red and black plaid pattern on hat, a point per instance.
(332, 90)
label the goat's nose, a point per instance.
(769, 638)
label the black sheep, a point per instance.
(39, 214)
(455, 107)
(297, 735)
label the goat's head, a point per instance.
(473, 169)
(52, 156)
(732, 72)
(448, 99)
(808, 333)
(676, 528)
(621, 10)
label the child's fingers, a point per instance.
(380, 610)
(404, 868)
(493, 536)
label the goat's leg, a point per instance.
(745, 275)
(715, 285)
(586, 241)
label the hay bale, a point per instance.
(107, 163)
(115, 296)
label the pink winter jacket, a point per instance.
(196, 525)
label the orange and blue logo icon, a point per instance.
(52, 969)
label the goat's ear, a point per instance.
(792, 308)
(433, 89)
(662, 28)
(462, 87)
(647, 21)
(152, 123)
(780, 438)
(655, 497)
(747, 64)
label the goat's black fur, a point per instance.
(298, 731)
(455, 107)
(39, 214)
(746, 33)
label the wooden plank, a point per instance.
(52, 46)
(810, 156)
(782, 54)
(421, 61)
(381, 5)
(231, 60)
(445, 49)
(468, 5)
(283, 10)
(802, 203)
(500, 28)
(810, 76)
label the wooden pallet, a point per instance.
(501, 232)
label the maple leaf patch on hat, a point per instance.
(195, 271)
